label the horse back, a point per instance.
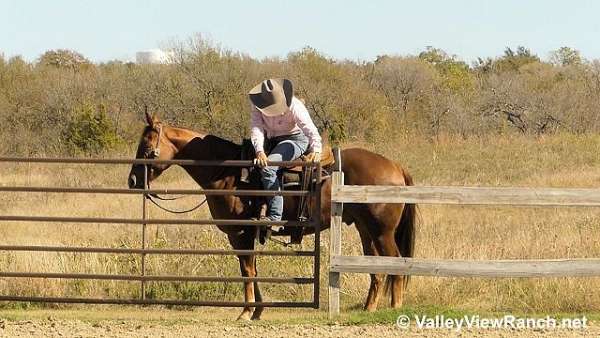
(364, 167)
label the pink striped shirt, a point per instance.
(295, 120)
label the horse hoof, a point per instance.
(371, 309)
(256, 315)
(245, 317)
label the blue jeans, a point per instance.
(284, 148)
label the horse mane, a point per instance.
(204, 146)
(203, 134)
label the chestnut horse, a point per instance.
(384, 229)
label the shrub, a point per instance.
(91, 131)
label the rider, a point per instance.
(289, 130)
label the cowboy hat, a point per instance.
(272, 97)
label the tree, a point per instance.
(512, 60)
(434, 56)
(338, 98)
(565, 56)
(63, 58)
(405, 81)
(209, 82)
(455, 73)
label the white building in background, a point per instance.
(153, 56)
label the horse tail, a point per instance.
(405, 232)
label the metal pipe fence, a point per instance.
(313, 193)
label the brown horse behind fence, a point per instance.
(384, 229)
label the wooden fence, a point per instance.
(541, 197)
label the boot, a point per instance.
(296, 235)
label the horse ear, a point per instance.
(152, 120)
(149, 118)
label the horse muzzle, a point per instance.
(132, 181)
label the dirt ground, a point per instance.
(219, 323)
(77, 328)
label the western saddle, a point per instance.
(292, 178)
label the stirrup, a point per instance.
(266, 231)
(296, 235)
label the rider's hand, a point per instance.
(261, 159)
(313, 157)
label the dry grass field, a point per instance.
(444, 231)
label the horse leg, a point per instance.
(398, 286)
(376, 279)
(245, 241)
(399, 282)
(259, 310)
(386, 246)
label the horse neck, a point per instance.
(192, 145)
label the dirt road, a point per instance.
(136, 328)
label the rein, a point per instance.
(153, 196)
(154, 153)
(158, 197)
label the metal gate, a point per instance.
(144, 250)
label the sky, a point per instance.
(357, 30)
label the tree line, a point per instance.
(62, 103)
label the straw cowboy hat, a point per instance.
(272, 97)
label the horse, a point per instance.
(384, 229)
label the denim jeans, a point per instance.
(283, 148)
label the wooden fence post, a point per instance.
(335, 238)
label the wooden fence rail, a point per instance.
(466, 268)
(540, 197)
(466, 195)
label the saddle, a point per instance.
(294, 175)
(292, 178)
(291, 175)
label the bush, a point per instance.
(91, 131)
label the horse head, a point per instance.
(154, 144)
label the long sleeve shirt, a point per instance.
(296, 119)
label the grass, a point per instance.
(450, 232)
(214, 316)
(203, 315)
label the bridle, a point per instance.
(154, 153)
